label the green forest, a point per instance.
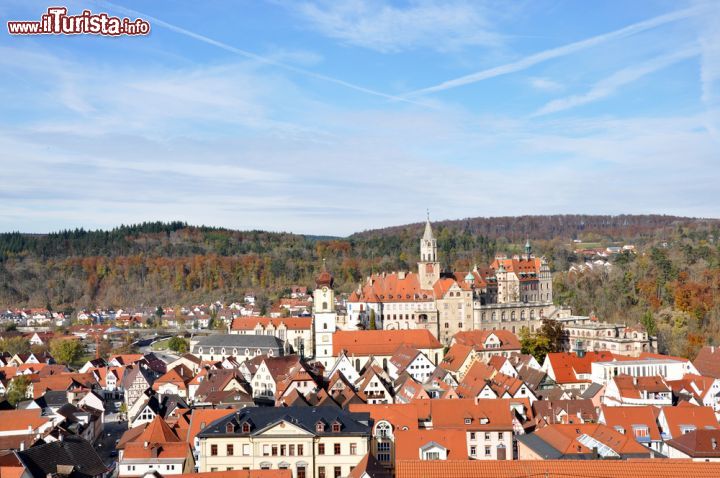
(670, 285)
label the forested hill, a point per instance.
(173, 263)
(568, 226)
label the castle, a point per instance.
(513, 292)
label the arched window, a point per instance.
(512, 315)
(522, 315)
(247, 351)
(502, 315)
(532, 314)
(383, 430)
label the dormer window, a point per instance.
(336, 427)
(468, 421)
(229, 428)
(484, 421)
(246, 427)
(320, 427)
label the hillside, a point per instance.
(675, 272)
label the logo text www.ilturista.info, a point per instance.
(57, 22)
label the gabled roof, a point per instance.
(157, 431)
(292, 323)
(629, 417)
(382, 342)
(44, 460)
(478, 338)
(698, 443)
(708, 361)
(21, 419)
(567, 365)
(567, 441)
(688, 415)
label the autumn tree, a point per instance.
(178, 344)
(17, 391)
(66, 351)
(15, 345)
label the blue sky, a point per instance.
(329, 117)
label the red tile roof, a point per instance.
(556, 469)
(382, 342)
(292, 323)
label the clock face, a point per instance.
(324, 289)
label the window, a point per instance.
(335, 427)
(383, 446)
(337, 472)
(501, 435)
(321, 449)
(487, 450)
(319, 427)
(213, 450)
(301, 471)
(336, 449)
(229, 428)
(432, 455)
(246, 427)
(230, 450)
(266, 450)
(300, 453)
(283, 449)
(246, 450)
(274, 450)
(473, 450)
(214, 468)
(487, 436)
(468, 421)
(472, 435)
(383, 456)
(321, 472)
(353, 448)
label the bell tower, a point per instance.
(324, 317)
(428, 266)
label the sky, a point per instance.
(332, 117)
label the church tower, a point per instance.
(428, 267)
(324, 318)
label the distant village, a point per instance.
(415, 373)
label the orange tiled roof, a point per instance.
(566, 365)
(382, 342)
(556, 469)
(626, 417)
(292, 323)
(21, 419)
(409, 442)
(394, 287)
(686, 414)
(477, 338)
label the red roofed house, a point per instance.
(158, 448)
(571, 371)
(296, 331)
(359, 346)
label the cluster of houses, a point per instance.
(388, 398)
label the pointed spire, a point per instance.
(428, 228)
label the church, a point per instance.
(511, 293)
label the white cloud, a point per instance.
(571, 48)
(609, 86)
(442, 26)
(545, 84)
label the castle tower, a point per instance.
(324, 318)
(428, 267)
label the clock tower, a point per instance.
(324, 318)
(428, 266)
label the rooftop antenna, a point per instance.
(428, 214)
